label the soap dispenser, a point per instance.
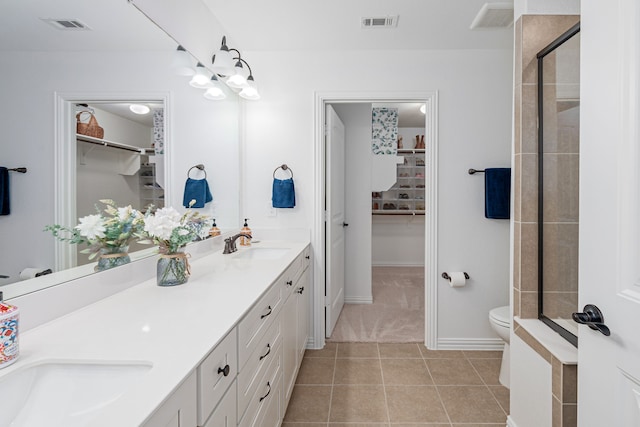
(245, 230)
(9, 317)
(214, 231)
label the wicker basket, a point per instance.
(89, 128)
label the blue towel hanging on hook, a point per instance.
(284, 194)
(5, 199)
(497, 192)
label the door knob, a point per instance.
(593, 318)
(344, 224)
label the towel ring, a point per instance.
(201, 167)
(284, 168)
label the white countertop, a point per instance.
(173, 328)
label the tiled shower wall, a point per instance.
(532, 34)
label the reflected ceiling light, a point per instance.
(237, 80)
(181, 62)
(423, 108)
(214, 90)
(222, 60)
(200, 79)
(139, 108)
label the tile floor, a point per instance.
(399, 385)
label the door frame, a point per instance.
(318, 235)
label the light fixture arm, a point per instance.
(245, 63)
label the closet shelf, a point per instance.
(119, 145)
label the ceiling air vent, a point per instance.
(66, 24)
(380, 22)
(493, 16)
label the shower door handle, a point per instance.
(593, 318)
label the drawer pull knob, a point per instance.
(265, 396)
(290, 282)
(265, 315)
(267, 353)
(300, 290)
(307, 257)
(224, 371)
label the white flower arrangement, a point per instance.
(171, 231)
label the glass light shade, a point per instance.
(237, 80)
(181, 63)
(423, 109)
(222, 63)
(139, 108)
(200, 79)
(214, 93)
(251, 90)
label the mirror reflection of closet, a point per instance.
(126, 165)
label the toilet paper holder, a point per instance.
(445, 275)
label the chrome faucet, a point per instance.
(230, 243)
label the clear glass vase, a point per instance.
(112, 256)
(173, 269)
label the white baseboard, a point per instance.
(398, 264)
(470, 344)
(358, 300)
(510, 422)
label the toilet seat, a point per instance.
(501, 316)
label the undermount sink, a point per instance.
(65, 394)
(262, 253)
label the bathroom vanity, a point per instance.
(222, 350)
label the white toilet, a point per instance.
(500, 320)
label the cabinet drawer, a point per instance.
(225, 413)
(268, 394)
(258, 320)
(254, 370)
(269, 414)
(215, 375)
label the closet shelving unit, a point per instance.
(150, 191)
(114, 144)
(407, 195)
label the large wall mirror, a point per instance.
(49, 64)
(558, 188)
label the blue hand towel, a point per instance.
(198, 190)
(5, 200)
(283, 195)
(497, 192)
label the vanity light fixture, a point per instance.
(200, 79)
(181, 62)
(139, 108)
(234, 74)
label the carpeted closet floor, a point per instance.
(397, 312)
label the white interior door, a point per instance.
(335, 219)
(609, 366)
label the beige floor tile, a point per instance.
(329, 350)
(453, 372)
(501, 393)
(478, 425)
(358, 424)
(405, 372)
(440, 354)
(316, 370)
(415, 404)
(488, 369)
(481, 354)
(421, 425)
(402, 351)
(309, 404)
(471, 404)
(285, 424)
(358, 403)
(358, 371)
(358, 349)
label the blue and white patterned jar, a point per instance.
(9, 348)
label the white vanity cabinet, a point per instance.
(179, 410)
(296, 321)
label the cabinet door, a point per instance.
(302, 293)
(290, 346)
(225, 414)
(179, 410)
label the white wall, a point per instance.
(201, 131)
(545, 7)
(475, 97)
(398, 240)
